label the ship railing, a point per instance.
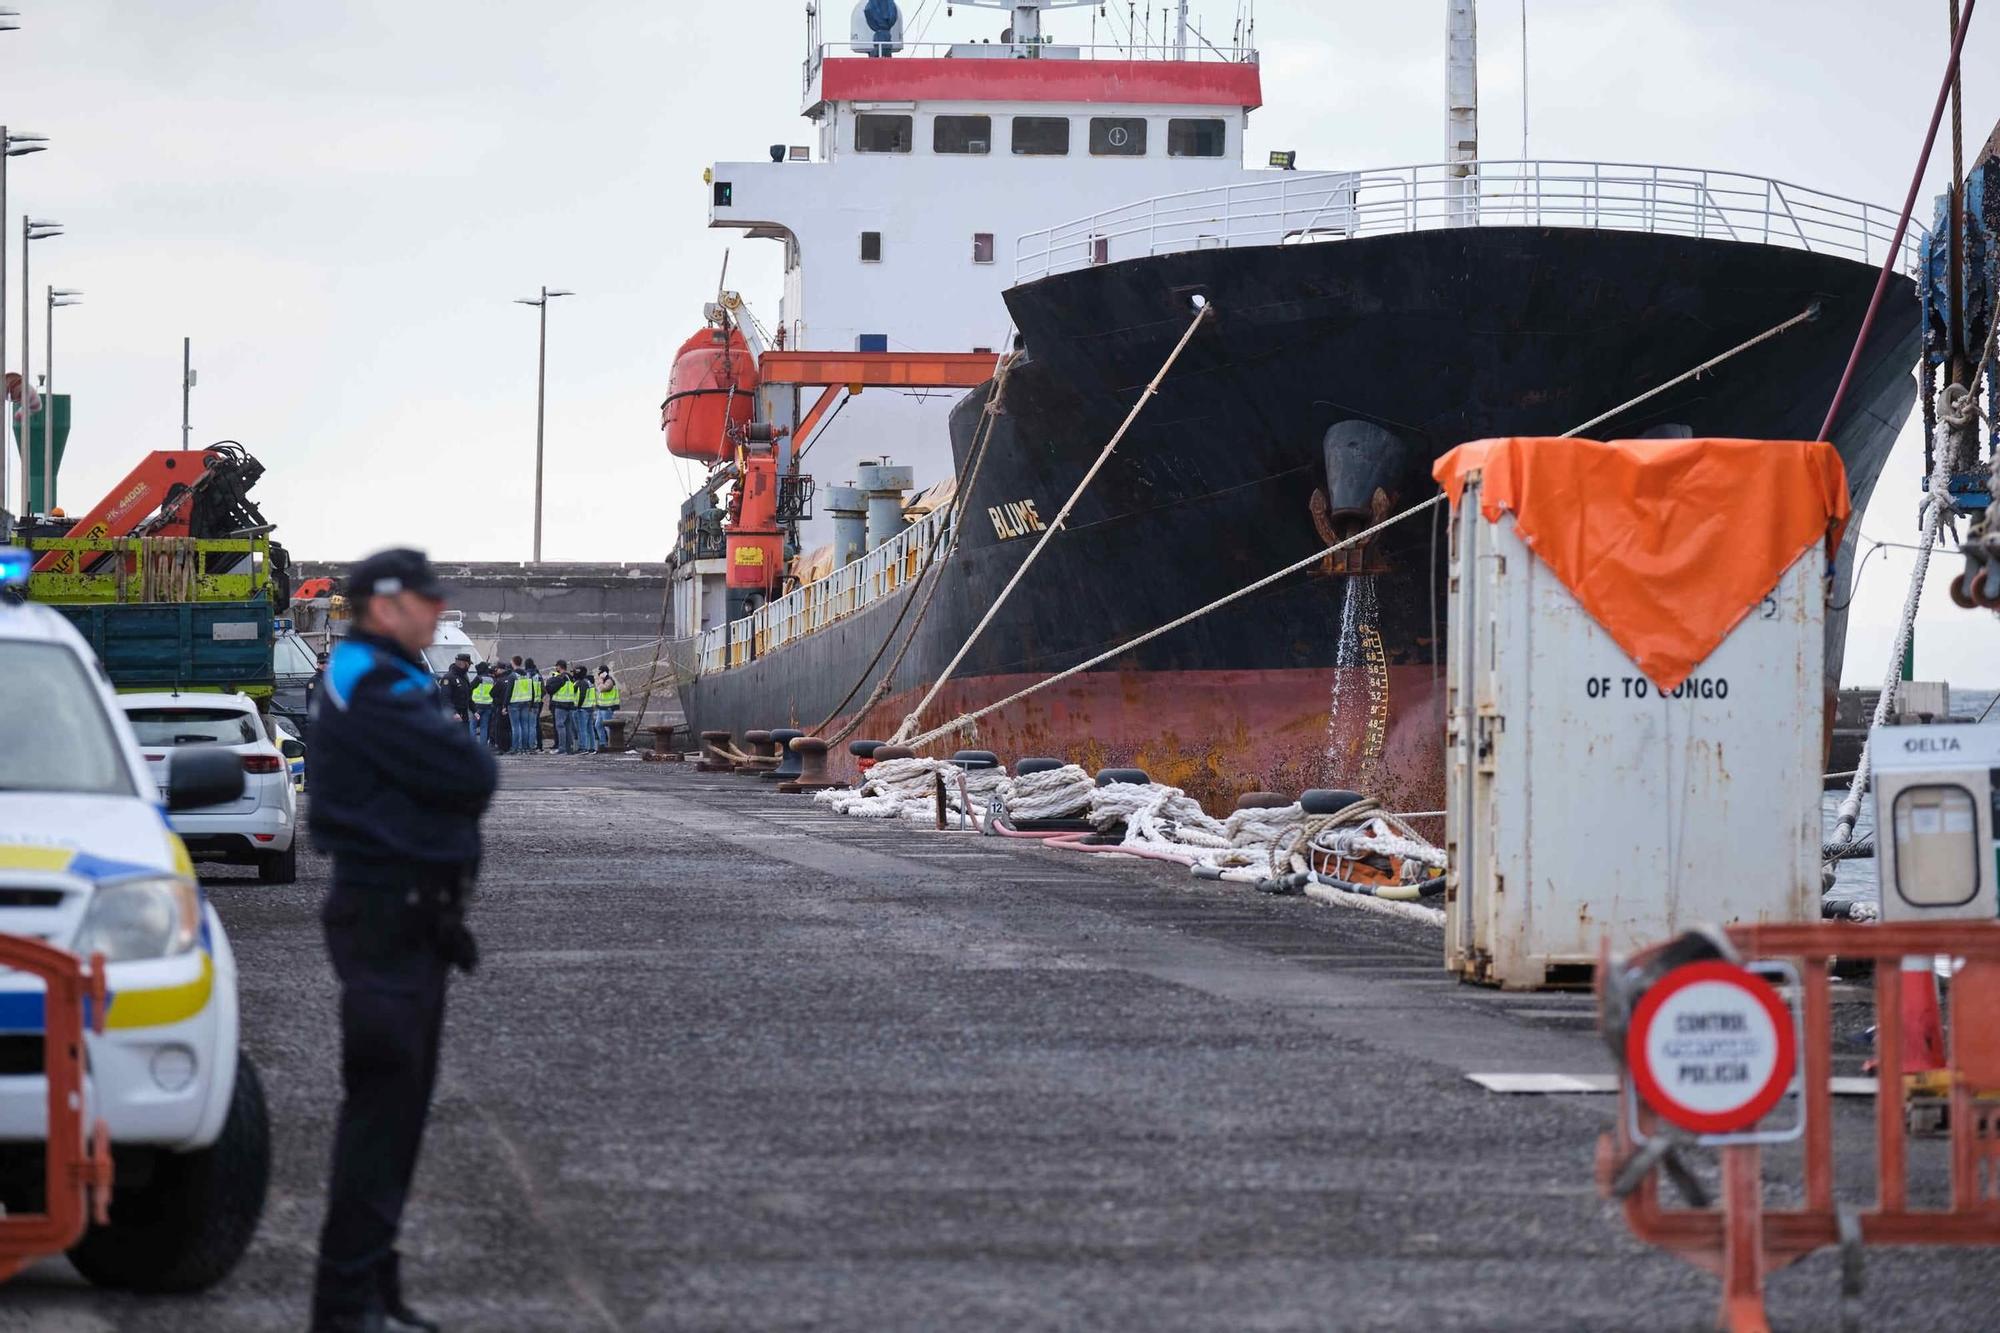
(818, 53)
(1295, 208)
(853, 587)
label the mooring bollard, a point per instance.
(1262, 800)
(1136, 776)
(864, 754)
(757, 744)
(788, 760)
(811, 753)
(713, 757)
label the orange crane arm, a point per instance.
(145, 490)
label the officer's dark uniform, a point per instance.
(398, 788)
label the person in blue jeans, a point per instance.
(584, 719)
(607, 706)
(482, 703)
(521, 711)
(561, 690)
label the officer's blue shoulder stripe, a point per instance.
(350, 662)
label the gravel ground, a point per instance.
(733, 1064)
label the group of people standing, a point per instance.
(501, 703)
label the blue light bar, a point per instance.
(14, 566)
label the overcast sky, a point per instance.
(337, 201)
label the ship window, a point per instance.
(871, 247)
(883, 134)
(1117, 136)
(1041, 136)
(982, 247)
(1196, 138)
(962, 134)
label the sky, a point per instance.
(338, 202)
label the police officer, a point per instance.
(398, 789)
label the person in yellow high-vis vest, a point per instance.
(607, 707)
(563, 693)
(482, 704)
(586, 714)
(534, 714)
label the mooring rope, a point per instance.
(1152, 389)
(934, 566)
(966, 719)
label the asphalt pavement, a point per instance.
(734, 1063)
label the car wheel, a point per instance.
(187, 1226)
(279, 867)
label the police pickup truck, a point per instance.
(88, 863)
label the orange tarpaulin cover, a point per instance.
(1667, 543)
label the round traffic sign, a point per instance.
(1711, 1048)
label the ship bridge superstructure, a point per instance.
(924, 164)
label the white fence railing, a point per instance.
(1193, 53)
(1291, 208)
(849, 589)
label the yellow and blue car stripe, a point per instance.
(22, 1012)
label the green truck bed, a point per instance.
(173, 613)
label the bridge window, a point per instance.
(871, 247)
(875, 133)
(962, 134)
(1196, 138)
(1117, 136)
(982, 247)
(1041, 136)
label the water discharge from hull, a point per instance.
(1357, 723)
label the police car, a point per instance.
(89, 863)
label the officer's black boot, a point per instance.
(401, 1318)
(338, 1308)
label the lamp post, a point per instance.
(11, 145)
(541, 395)
(32, 229)
(58, 296)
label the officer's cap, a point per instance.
(387, 573)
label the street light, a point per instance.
(541, 396)
(58, 296)
(11, 145)
(32, 229)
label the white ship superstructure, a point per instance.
(928, 162)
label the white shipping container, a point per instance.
(1582, 805)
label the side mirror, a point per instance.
(291, 749)
(203, 775)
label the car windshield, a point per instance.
(293, 656)
(55, 734)
(194, 726)
(440, 655)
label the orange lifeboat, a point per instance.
(711, 395)
(756, 549)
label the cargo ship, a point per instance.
(1358, 324)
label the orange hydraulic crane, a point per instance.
(171, 493)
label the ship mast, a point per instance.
(1027, 27)
(1462, 109)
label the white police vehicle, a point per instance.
(89, 863)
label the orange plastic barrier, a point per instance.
(78, 1178)
(1667, 543)
(1740, 1240)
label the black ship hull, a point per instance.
(1322, 385)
